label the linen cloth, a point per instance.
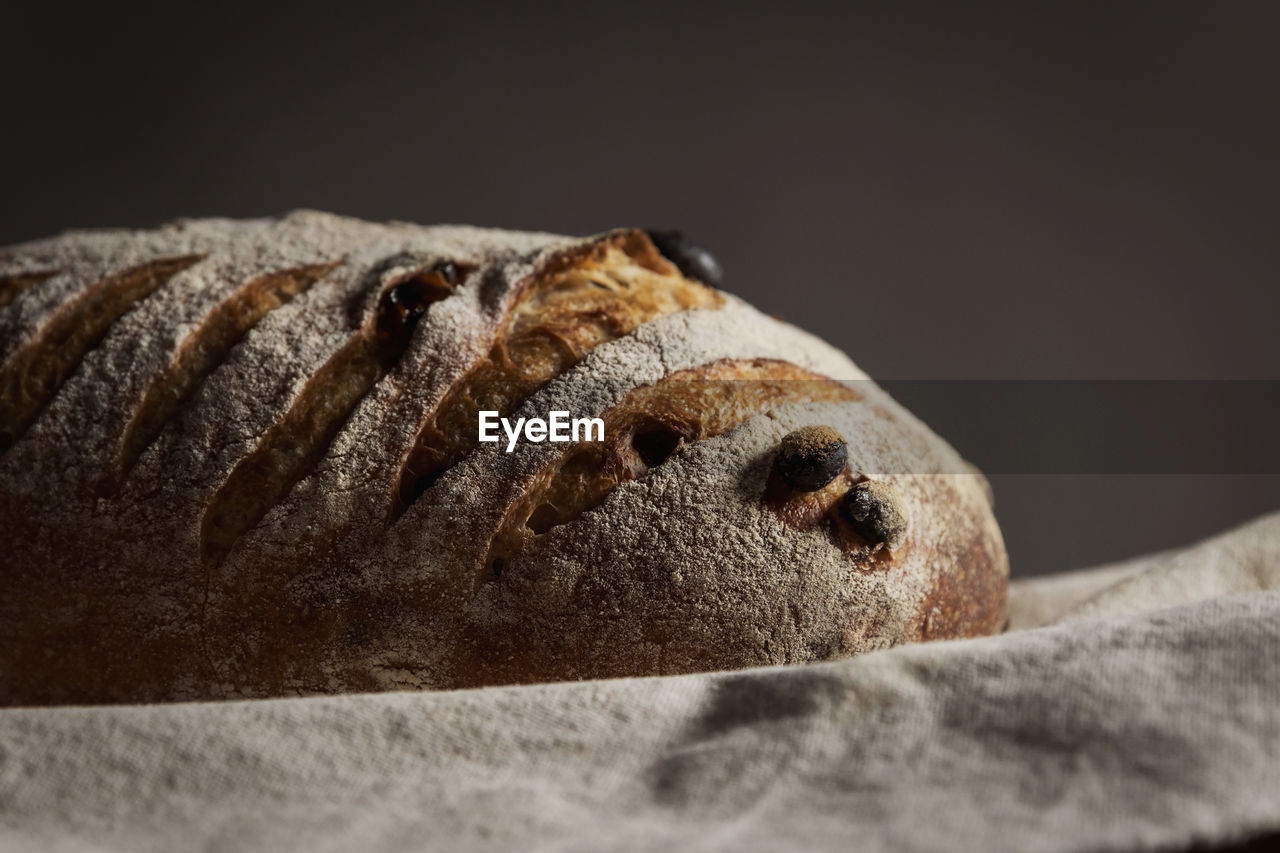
(1132, 707)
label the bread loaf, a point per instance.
(242, 459)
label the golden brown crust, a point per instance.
(644, 430)
(255, 413)
(970, 600)
(578, 300)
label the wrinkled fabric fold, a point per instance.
(1138, 708)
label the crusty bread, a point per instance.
(241, 459)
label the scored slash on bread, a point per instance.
(583, 298)
(207, 348)
(645, 428)
(12, 285)
(243, 461)
(30, 377)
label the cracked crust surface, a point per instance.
(671, 548)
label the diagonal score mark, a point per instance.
(12, 286)
(574, 305)
(202, 353)
(644, 430)
(290, 449)
(33, 375)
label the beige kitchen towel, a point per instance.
(1135, 707)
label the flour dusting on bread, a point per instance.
(241, 460)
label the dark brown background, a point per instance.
(946, 191)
